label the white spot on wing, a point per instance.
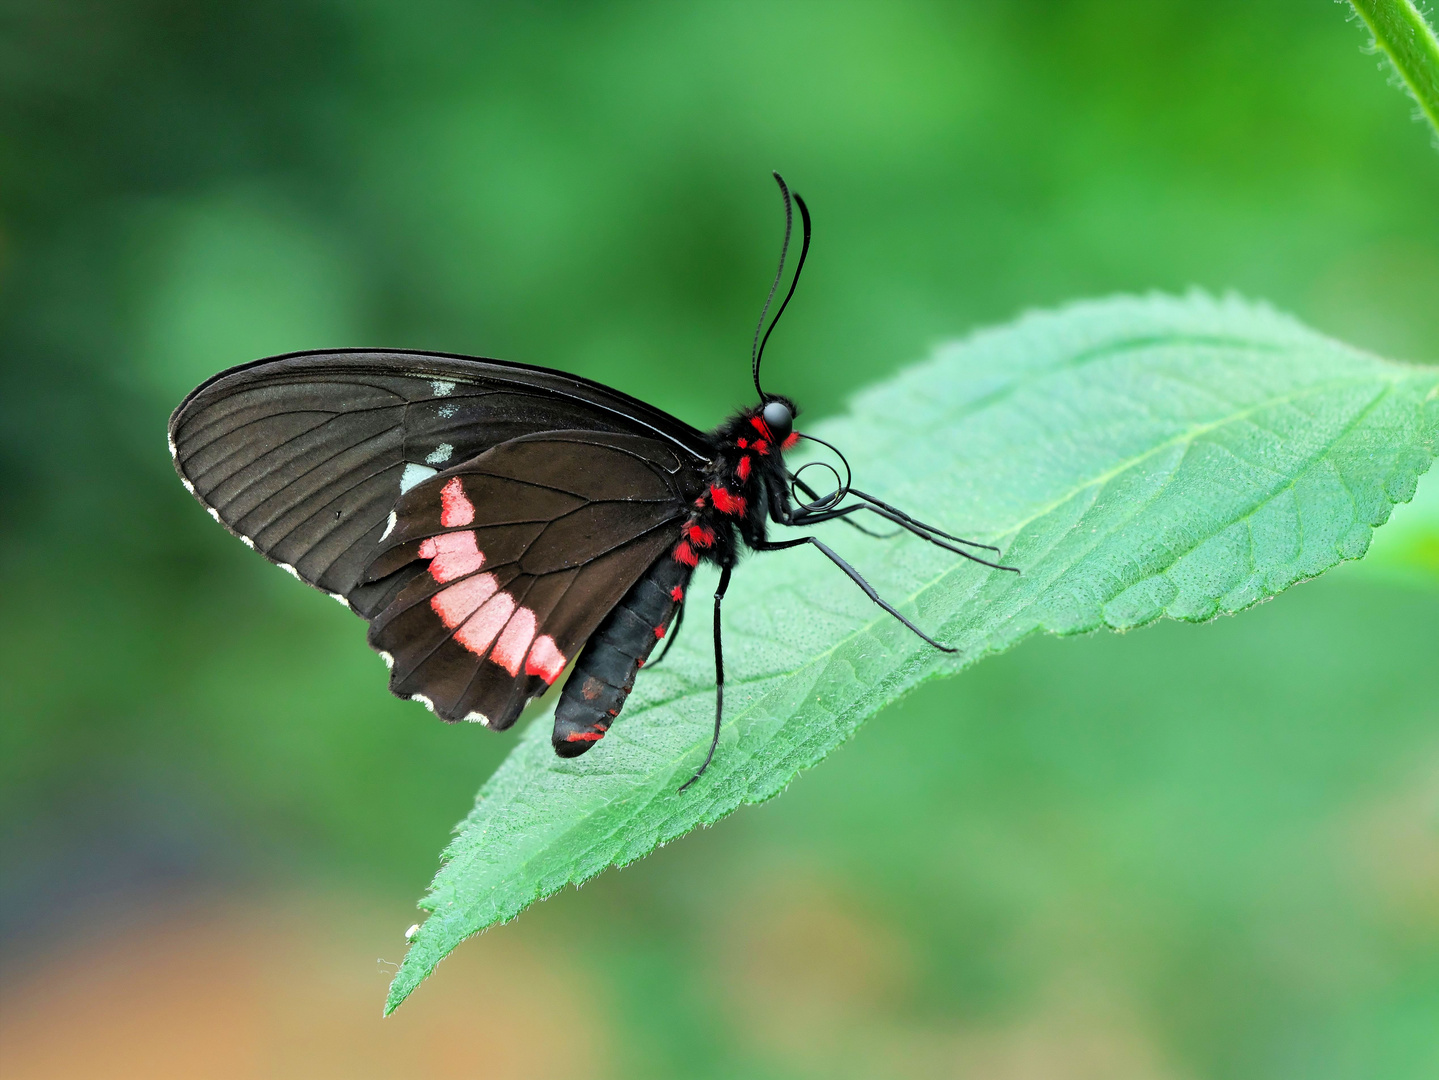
(441, 387)
(289, 570)
(413, 474)
(339, 599)
(440, 454)
(411, 932)
(447, 411)
(188, 486)
(478, 718)
(213, 512)
(426, 702)
(248, 542)
(389, 524)
(388, 659)
(171, 444)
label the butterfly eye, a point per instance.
(779, 420)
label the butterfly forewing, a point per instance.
(304, 456)
(505, 564)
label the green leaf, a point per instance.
(1135, 457)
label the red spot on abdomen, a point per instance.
(701, 536)
(584, 736)
(677, 594)
(659, 632)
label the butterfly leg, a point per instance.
(719, 673)
(855, 576)
(802, 517)
(852, 524)
(906, 523)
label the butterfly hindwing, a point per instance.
(305, 456)
(497, 570)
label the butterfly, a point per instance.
(497, 523)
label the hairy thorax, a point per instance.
(746, 472)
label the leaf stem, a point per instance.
(1409, 42)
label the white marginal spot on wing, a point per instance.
(248, 542)
(188, 486)
(426, 702)
(413, 474)
(171, 444)
(440, 454)
(478, 718)
(388, 659)
(213, 512)
(411, 932)
(447, 411)
(289, 570)
(389, 524)
(339, 600)
(441, 387)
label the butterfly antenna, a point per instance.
(757, 348)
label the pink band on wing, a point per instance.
(455, 506)
(483, 626)
(457, 603)
(452, 555)
(509, 650)
(545, 660)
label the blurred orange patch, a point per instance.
(284, 987)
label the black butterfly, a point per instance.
(490, 520)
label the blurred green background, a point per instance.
(1189, 852)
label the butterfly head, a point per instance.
(768, 424)
(778, 416)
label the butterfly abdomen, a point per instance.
(605, 672)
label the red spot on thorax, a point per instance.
(790, 441)
(726, 503)
(741, 442)
(677, 594)
(686, 554)
(742, 469)
(761, 448)
(701, 536)
(759, 425)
